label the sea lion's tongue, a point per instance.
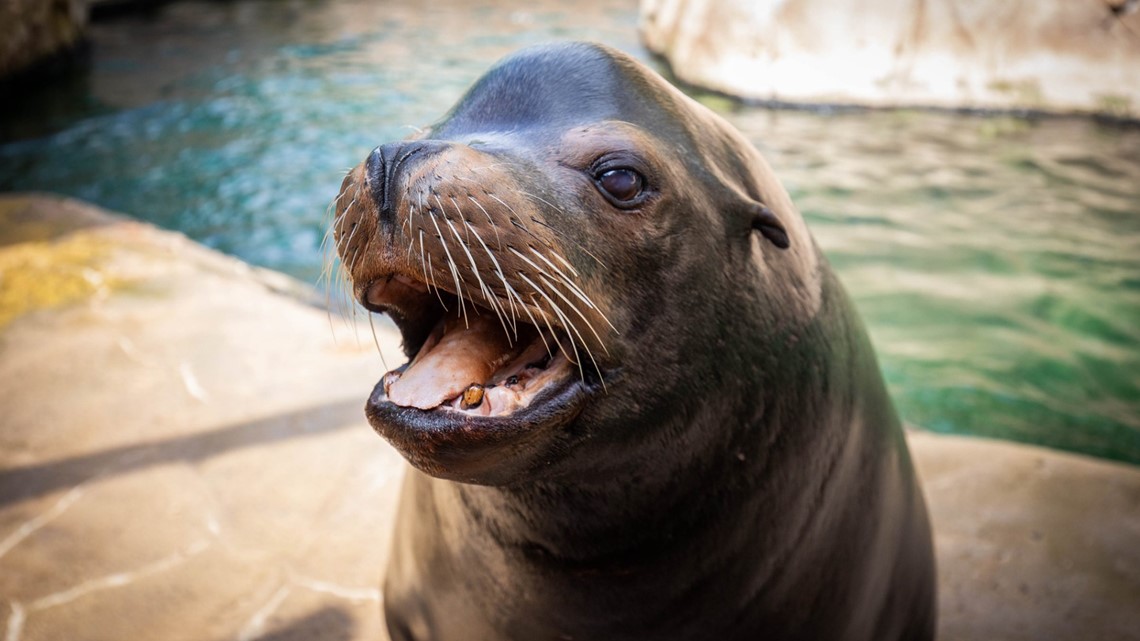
(468, 352)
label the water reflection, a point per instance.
(996, 261)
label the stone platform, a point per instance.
(183, 456)
(1057, 56)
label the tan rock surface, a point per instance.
(1031, 543)
(1055, 55)
(183, 455)
(182, 452)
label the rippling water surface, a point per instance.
(996, 261)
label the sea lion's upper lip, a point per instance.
(462, 355)
(390, 291)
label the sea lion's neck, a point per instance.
(620, 523)
(602, 525)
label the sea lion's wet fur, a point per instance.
(743, 475)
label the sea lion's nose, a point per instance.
(385, 167)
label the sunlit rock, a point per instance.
(35, 30)
(1059, 55)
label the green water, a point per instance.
(996, 261)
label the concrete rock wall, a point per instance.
(1051, 55)
(33, 30)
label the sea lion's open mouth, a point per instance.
(463, 357)
(482, 398)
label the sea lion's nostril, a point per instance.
(386, 166)
(379, 171)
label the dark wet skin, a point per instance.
(717, 457)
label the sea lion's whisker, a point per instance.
(330, 229)
(344, 192)
(513, 296)
(589, 353)
(450, 264)
(407, 224)
(331, 266)
(376, 340)
(498, 240)
(543, 200)
(566, 263)
(349, 299)
(579, 313)
(345, 242)
(551, 278)
(569, 284)
(501, 314)
(424, 259)
(570, 337)
(480, 168)
(475, 270)
(558, 312)
(526, 260)
(326, 256)
(329, 260)
(434, 285)
(553, 334)
(574, 328)
(356, 254)
(342, 281)
(414, 210)
(499, 273)
(564, 238)
(333, 208)
(523, 228)
(514, 218)
(514, 215)
(574, 343)
(459, 211)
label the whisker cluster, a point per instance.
(337, 245)
(531, 282)
(481, 246)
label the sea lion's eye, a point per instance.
(623, 185)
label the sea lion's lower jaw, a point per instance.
(487, 450)
(482, 398)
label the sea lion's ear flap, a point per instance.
(764, 220)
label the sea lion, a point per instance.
(638, 403)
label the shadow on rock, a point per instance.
(326, 624)
(22, 483)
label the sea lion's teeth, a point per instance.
(467, 351)
(473, 396)
(390, 378)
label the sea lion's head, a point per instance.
(577, 255)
